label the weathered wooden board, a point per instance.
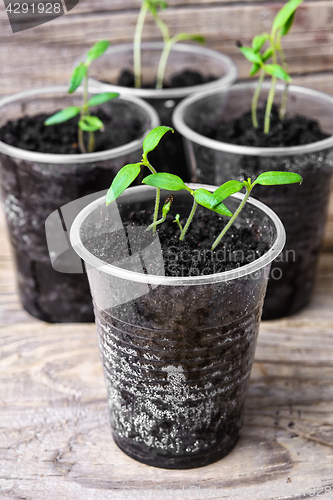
(45, 54)
(55, 439)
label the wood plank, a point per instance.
(41, 55)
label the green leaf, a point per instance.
(123, 179)
(267, 54)
(97, 99)
(254, 69)
(165, 181)
(63, 115)
(166, 209)
(77, 76)
(187, 36)
(286, 28)
(153, 138)
(226, 190)
(153, 4)
(204, 198)
(97, 50)
(277, 178)
(277, 71)
(258, 41)
(284, 14)
(90, 124)
(251, 55)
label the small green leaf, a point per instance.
(254, 69)
(204, 198)
(277, 71)
(97, 99)
(286, 28)
(153, 138)
(63, 115)
(267, 54)
(97, 50)
(165, 181)
(258, 41)
(90, 124)
(277, 178)
(187, 36)
(153, 4)
(166, 209)
(77, 76)
(251, 55)
(224, 191)
(284, 14)
(123, 179)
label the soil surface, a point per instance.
(193, 256)
(30, 133)
(186, 78)
(294, 131)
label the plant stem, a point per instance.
(81, 141)
(154, 224)
(233, 218)
(255, 99)
(84, 112)
(91, 142)
(137, 45)
(158, 194)
(284, 100)
(269, 105)
(162, 64)
(189, 220)
(163, 27)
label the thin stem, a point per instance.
(162, 64)
(83, 113)
(137, 45)
(154, 224)
(179, 224)
(189, 220)
(91, 142)
(158, 193)
(81, 141)
(163, 27)
(269, 105)
(232, 220)
(256, 98)
(284, 100)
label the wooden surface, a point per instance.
(55, 439)
(44, 55)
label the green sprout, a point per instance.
(130, 172)
(282, 23)
(152, 6)
(87, 122)
(170, 182)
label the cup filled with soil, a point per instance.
(177, 323)
(221, 143)
(190, 68)
(42, 169)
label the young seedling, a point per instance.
(152, 6)
(213, 201)
(87, 122)
(130, 172)
(165, 210)
(281, 26)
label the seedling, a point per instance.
(282, 23)
(152, 6)
(130, 172)
(212, 201)
(87, 122)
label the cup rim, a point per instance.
(180, 92)
(250, 268)
(180, 125)
(34, 156)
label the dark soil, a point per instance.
(30, 133)
(193, 256)
(186, 78)
(294, 131)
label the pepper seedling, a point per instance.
(152, 6)
(213, 201)
(130, 172)
(87, 122)
(281, 26)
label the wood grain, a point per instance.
(44, 55)
(54, 431)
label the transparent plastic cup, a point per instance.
(302, 209)
(177, 351)
(36, 184)
(211, 64)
